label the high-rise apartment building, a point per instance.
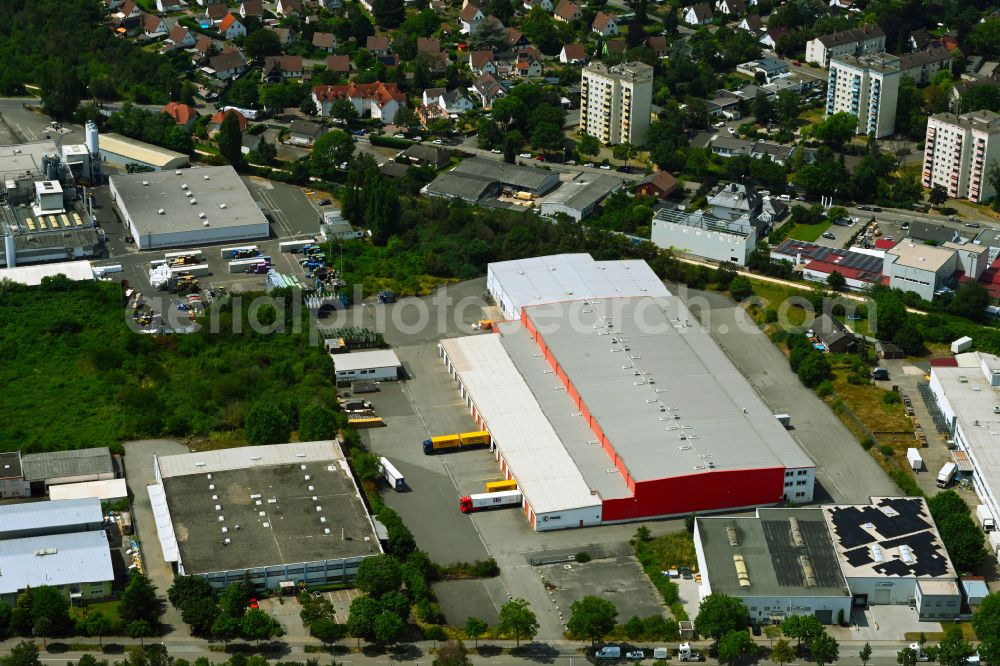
(615, 102)
(958, 152)
(866, 87)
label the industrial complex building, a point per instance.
(125, 152)
(34, 474)
(61, 544)
(828, 561)
(476, 179)
(187, 207)
(278, 514)
(607, 402)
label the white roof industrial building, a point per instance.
(369, 365)
(102, 490)
(123, 151)
(187, 207)
(50, 517)
(59, 560)
(606, 373)
(32, 275)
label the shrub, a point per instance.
(886, 450)
(825, 388)
(582, 557)
(857, 380)
(891, 398)
(867, 443)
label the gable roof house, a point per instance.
(286, 36)
(544, 4)
(231, 27)
(288, 7)
(378, 46)
(215, 123)
(488, 89)
(660, 184)
(605, 25)
(470, 16)
(482, 62)
(771, 37)
(613, 46)
(340, 64)
(325, 41)
(699, 14)
(753, 24)
(215, 13)
(573, 54)
(428, 45)
(182, 114)
(304, 132)
(529, 64)
(568, 11)
(181, 38)
(228, 65)
(658, 45)
(516, 40)
(164, 6)
(281, 68)
(153, 25)
(379, 100)
(129, 9)
(731, 7)
(251, 8)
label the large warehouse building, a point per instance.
(284, 513)
(607, 402)
(187, 207)
(829, 561)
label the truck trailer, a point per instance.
(485, 501)
(391, 475)
(465, 440)
(500, 486)
(962, 344)
(913, 457)
(947, 474)
(985, 517)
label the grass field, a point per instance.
(809, 232)
(108, 608)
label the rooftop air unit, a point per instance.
(741, 571)
(793, 524)
(734, 537)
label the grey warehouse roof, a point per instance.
(774, 562)
(59, 464)
(10, 465)
(218, 192)
(525, 178)
(583, 191)
(52, 514)
(61, 559)
(701, 409)
(18, 159)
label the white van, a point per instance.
(609, 652)
(661, 653)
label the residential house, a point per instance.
(215, 13)
(304, 132)
(325, 41)
(771, 37)
(181, 38)
(834, 335)
(605, 25)
(919, 40)
(470, 16)
(183, 114)
(614, 47)
(658, 45)
(341, 64)
(378, 46)
(567, 11)
(288, 7)
(231, 27)
(699, 14)
(129, 9)
(252, 8)
(379, 100)
(860, 41)
(573, 54)
(488, 89)
(286, 36)
(421, 155)
(529, 64)
(482, 62)
(544, 4)
(770, 68)
(228, 65)
(842, 4)
(516, 40)
(779, 153)
(753, 24)
(204, 47)
(454, 102)
(164, 6)
(281, 68)
(923, 65)
(430, 45)
(729, 146)
(126, 27)
(731, 7)
(659, 184)
(215, 123)
(153, 26)
(112, 5)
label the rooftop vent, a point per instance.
(741, 571)
(201, 216)
(145, 183)
(734, 537)
(194, 202)
(206, 177)
(161, 212)
(184, 186)
(793, 524)
(41, 552)
(222, 205)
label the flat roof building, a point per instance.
(583, 429)
(78, 564)
(187, 207)
(71, 466)
(124, 151)
(284, 512)
(32, 275)
(578, 198)
(373, 365)
(958, 151)
(103, 490)
(922, 269)
(50, 517)
(476, 178)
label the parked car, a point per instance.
(496, 151)
(828, 235)
(526, 156)
(721, 123)
(589, 164)
(323, 202)
(876, 209)
(398, 135)
(973, 225)
(864, 207)
(635, 655)
(732, 131)
(904, 226)
(606, 167)
(438, 142)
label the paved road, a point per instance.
(844, 469)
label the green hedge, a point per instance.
(389, 141)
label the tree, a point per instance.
(52, 605)
(772, 631)
(5, 615)
(801, 628)
(257, 625)
(378, 575)
(909, 339)
(230, 140)
(266, 424)
(985, 37)
(814, 369)
(719, 614)
(344, 110)
(226, 627)
(245, 91)
(836, 130)
(824, 648)
(361, 618)
(43, 628)
(836, 280)
(308, 105)
(735, 645)
(452, 653)
(592, 617)
(993, 178)
(474, 628)
(235, 598)
(327, 631)
(388, 13)
(938, 195)
(787, 108)
(388, 627)
(96, 624)
(970, 301)
(588, 145)
(188, 588)
(762, 109)
(139, 629)
(200, 615)
(62, 90)
(139, 601)
(986, 622)
(330, 151)
(624, 151)
(24, 653)
(865, 653)
(782, 652)
(517, 618)
(316, 422)
(954, 650)
(261, 43)
(740, 288)
(907, 657)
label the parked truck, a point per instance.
(500, 486)
(685, 653)
(465, 440)
(947, 475)
(485, 501)
(985, 517)
(913, 457)
(964, 343)
(391, 475)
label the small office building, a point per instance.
(376, 365)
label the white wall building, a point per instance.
(959, 150)
(615, 102)
(867, 88)
(922, 269)
(866, 40)
(376, 365)
(704, 235)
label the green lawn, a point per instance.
(809, 232)
(108, 608)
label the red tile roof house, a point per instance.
(182, 114)
(481, 62)
(573, 54)
(660, 185)
(567, 11)
(181, 38)
(380, 100)
(282, 68)
(340, 64)
(379, 46)
(606, 25)
(216, 122)
(432, 46)
(231, 27)
(325, 41)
